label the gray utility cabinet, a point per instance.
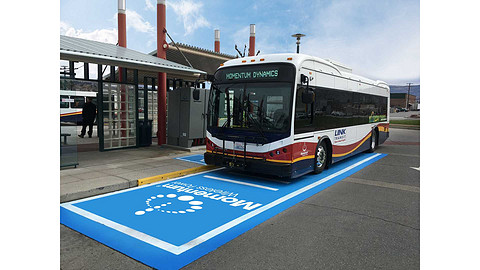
(187, 121)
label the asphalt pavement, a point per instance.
(370, 220)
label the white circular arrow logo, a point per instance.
(171, 204)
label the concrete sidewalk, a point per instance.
(103, 172)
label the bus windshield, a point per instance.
(255, 106)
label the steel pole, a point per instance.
(122, 42)
(162, 46)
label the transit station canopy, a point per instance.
(82, 50)
(200, 58)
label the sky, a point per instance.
(378, 39)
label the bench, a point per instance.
(65, 135)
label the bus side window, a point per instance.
(64, 102)
(303, 114)
(78, 102)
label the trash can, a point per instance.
(145, 132)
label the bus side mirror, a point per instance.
(209, 77)
(308, 96)
(304, 79)
(196, 94)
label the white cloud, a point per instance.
(149, 5)
(190, 13)
(137, 22)
(385, 47)
(102, 35)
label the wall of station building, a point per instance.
(399, 100)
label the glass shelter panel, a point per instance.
(119, 109)
(152, 111)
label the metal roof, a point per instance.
(82, 50)
(203, 59)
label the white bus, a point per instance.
(291, 114)
(71, 103)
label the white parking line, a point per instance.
(197, 241)
(126, 230)
(193, 161)
(239, 182)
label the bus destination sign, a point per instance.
(245, 75)
(258, 72)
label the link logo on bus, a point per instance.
(340, 135)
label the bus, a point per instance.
(71, 103)
(291, 114)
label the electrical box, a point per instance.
(187, 121)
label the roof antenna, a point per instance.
(239, 51)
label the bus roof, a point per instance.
(297, 59)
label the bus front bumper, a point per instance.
(249, 164)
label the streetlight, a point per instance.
(408, 97)
(298, 36)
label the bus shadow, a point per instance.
(266, 179)
(263, 178)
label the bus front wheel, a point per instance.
(320, 157)
(373, 141)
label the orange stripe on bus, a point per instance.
(356, 147)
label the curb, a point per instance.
(162, 177)
(416, 127)
(191, 149)
(96, 191)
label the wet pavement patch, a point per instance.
(169, 224)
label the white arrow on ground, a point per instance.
(418, 169)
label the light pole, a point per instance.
(298, 36)
(408, 96)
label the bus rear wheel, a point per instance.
(320, 157)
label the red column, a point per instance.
(217, 40)
(251, 49)
(162, 46)
(122, 42)
(122, 24)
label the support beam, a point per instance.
(162, 46)
(122, 42)
(122, 24)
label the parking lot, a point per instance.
(370, 219)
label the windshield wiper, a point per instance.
(227, 97)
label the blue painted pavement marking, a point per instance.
(193, 158)
(169, 224)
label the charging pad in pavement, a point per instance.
(169, 224)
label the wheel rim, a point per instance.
(374, 139)
(321, 156)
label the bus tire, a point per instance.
(321, 157)
(373, 141)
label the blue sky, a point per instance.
(378, 39)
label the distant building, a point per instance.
(399, 100)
